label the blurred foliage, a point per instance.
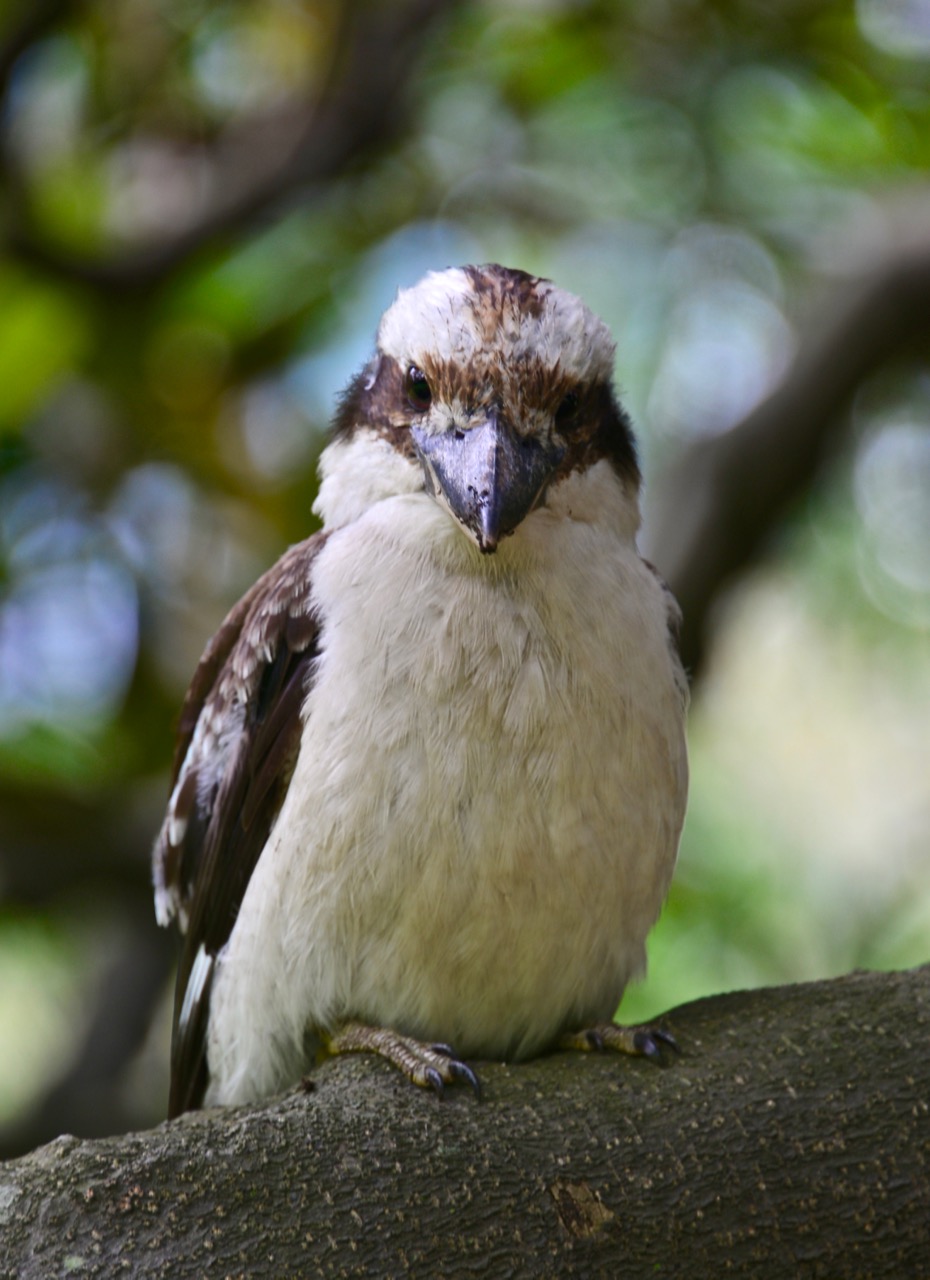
(181, 304)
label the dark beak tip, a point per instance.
(489, 532)
(487, 539)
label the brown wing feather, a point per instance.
(673, 622)
(238, 739)
(209, 667)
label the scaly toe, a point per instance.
(429, 1066)
(641, 1042)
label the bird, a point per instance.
(431, 771)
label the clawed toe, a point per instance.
(650, 1041)
(462, 1071)
(641, 1042)
(429, 1066)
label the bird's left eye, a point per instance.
(567, 408)
(418, 389)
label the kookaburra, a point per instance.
(431, 770)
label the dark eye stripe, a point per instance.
(567, 409)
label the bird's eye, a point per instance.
(418, 389)
(567, 409)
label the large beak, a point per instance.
(487, 477)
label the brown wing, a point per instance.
(238, 739)
(673, 623)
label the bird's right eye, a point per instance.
(566, 411)
(418, 389)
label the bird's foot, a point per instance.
(642, 1042)
(431, 1066)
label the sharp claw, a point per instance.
(650, 1042)
(595, 1039)
(434, 1080)
(462, 1071)
(444, 1049)
(644, 1043)
(666, 1038)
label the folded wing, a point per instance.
(238, 738)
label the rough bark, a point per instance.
(791, 1138)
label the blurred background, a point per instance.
(204, 207)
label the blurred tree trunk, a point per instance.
(714, 512)
(790, 1139)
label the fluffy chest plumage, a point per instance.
(485, 809)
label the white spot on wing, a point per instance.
(165, 905)
(200, 975)
(177, 829)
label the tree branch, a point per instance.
(259, 165)
(789, 1139)
(722, 497)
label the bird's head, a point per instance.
(488, 389)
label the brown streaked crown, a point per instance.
(492, 336)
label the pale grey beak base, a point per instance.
(488, 477)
